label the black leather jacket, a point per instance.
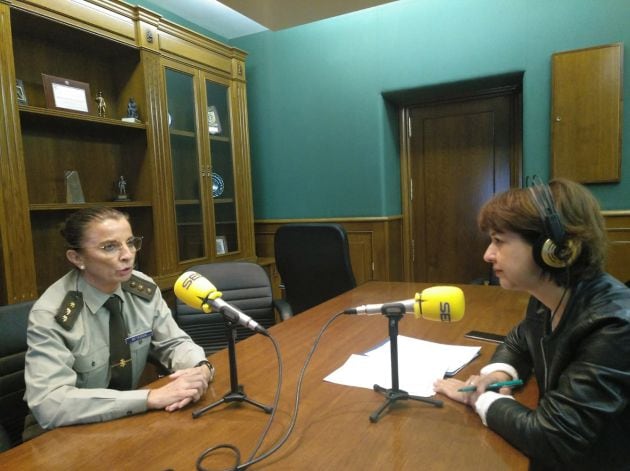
(582, 421)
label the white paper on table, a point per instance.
(420, 364)
(410, 349)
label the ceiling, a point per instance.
(235, 18)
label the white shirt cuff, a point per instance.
(485, 401)
(492, 367)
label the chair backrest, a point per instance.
(313, 261)
(13, 409)
(243, 284)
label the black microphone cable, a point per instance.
(251, 460)
(263, 435)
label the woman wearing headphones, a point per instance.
(575, 338)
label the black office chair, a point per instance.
(243, 284)
(313, 261)
(13, 409)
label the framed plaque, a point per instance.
(214, 124)
(66, 94)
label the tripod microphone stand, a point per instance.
(236, 393)
(394, 312)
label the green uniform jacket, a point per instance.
(67, 363)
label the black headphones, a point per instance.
(552, 250)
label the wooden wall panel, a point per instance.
(618, 227)
(376, 245)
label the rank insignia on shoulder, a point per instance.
(142, 288)
(70, 309)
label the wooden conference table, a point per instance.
(333, 430)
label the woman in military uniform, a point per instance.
(83, 362)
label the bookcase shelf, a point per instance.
(46, 113)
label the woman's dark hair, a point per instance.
(580, 215)
(74, 227)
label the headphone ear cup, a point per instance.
(537, 251)
(548, 254)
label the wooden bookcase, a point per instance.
(120, 51)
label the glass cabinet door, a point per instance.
(188, 193)
(222, 168)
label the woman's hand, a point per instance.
(186, 386)
(450, 387)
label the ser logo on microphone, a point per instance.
(445, 311)
(187, 283)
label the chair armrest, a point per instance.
(283, 308)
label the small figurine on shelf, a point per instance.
(132, 112)
(122, 190)
(101, 106)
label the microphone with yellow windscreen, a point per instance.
(199, 293)
(437, 303)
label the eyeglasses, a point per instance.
(134, 244)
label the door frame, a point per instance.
(487, 87)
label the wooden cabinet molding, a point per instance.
(18, 276)
(112, 19)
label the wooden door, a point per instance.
(460, 154)
(586, 114)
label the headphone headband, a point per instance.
(544, 202)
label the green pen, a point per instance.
(495, 386)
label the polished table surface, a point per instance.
(333, 430)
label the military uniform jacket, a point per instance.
(67, 362)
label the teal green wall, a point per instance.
(325, 144)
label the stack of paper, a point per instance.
(420, 364)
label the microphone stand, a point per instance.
(394, 312)
(236, 393)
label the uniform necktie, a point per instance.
(119, 353)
